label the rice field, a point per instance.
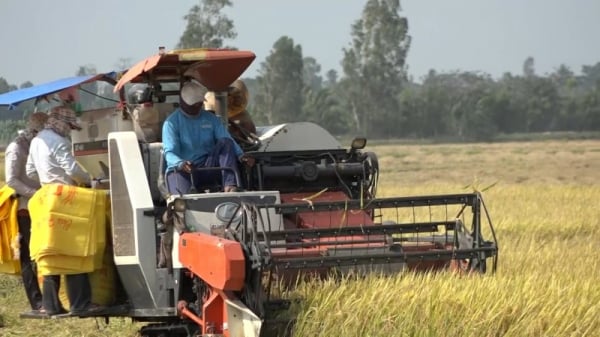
(544, 201)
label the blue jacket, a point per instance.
(187, 137)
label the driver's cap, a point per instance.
(192, 93)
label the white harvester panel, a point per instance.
(90, 145)
(200, 213)
(301, 136)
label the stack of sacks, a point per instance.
(68, 229)
(102, 280)
(9, 233)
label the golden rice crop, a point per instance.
(546, 283)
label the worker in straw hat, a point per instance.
(51, 160)
(240, 124)
(15, 158)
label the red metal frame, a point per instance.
(351, 218)
(221, 264)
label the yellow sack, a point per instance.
(68, 229)
(60, 221)
(102, 282)
(9, 233)
(103, 277)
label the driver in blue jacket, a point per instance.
(195, 138)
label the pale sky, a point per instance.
(43, 40)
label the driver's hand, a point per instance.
(186, 166)
(248, 160)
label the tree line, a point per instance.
(374, 97)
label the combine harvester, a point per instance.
(308, 207)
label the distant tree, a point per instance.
(456, 105)
(10, 120)
(280, 85)
(206, 26)
(331, 78)
(321, 104)
(324, 108)
(9, 129)
(474, 110)
(591, 75)
(564, 77)
(26, 84)
(534, 103)
(374, 68)
(514, 117)
(503, 115)
(311, 74)
(579, 98)
(542, 104)
(123, 63)
(5, 86)
(428, 107)
(88, 69)
(484, 106)
(567, 85)
(590, 107)
(529, 67)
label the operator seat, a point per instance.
(148, 119)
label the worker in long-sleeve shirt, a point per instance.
(15, 158)
(50, 159)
